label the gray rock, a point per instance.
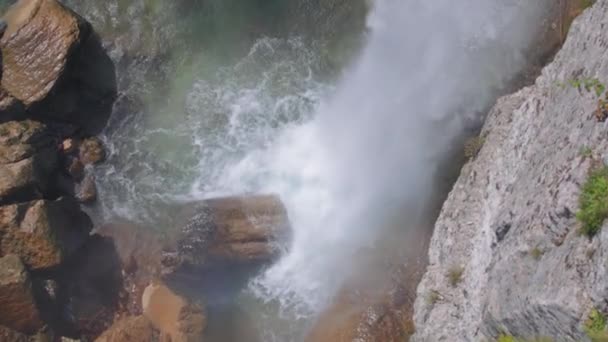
(539, 277)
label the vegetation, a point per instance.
(593, 202)
(536, 253)
(472, 146)
(586, 152)
(455, 275)
(433, 297)
(595, 326)
(510, 338)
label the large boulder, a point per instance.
(28, 159)
(55, 66)
(229, 231)
(176, 318)
(19, 310)
(130, 329)
(43, 233)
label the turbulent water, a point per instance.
(346, 155)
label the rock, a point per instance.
(542, 278)
(172, 315)
(68, 146)
(43, 233)
(91, 151)
(232, 230)
(19, 310)
(86, 191)
(75, 168)
(92, 281)
(10, 335)
(139, 251)
(130, 329)
(54, 64)
(28, 160)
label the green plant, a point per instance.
(472, 146)
(595, 326)
(593, 202)
(586, 152)
(433, 297)
(455, 275)
(536, 253)
(588, 84)
(510, 338)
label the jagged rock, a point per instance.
(75, 168)
(173, 315)
(232, 230)
(86, 190)
(43, 233)
(93, 285)
(91, 151)
(130, 329)
(28, 160)
(19, 309)
(10, 335)
(539, 277)
(55, 65)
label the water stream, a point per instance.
(352, 146)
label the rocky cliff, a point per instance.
(507, 256)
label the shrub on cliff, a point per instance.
(593, 202)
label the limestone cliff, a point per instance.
(506, 256)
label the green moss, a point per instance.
(455, 275)
(472, 146)
(595, 326)
(433, 297)
(510, 338)
(586, 152)
(536, 253)
(593, 202)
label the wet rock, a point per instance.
(91, 151)
(10, 335)
(86, 190)
(28, 160)
(130, 329)
(172, 314)
(93, 286)
(43, 233)
(225, 231)
(55, 65)
(75, 168)
(19, 310)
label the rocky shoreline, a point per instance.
(61, 278)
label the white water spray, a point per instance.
(372, 150)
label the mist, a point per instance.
(430, 69)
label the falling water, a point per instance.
(346, 157)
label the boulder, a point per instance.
(43, 233)
(91, 151)
(10, 335)
(28, 160)
(54, 65)
(86, 190)
(130, 329)
(19, 310)
(229, 231)
(173, 315)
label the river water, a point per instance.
(223, 98)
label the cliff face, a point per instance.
(506, 256)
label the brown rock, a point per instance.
(229, 231)
(86, 191)
(55, 65)
(130, 329)
(91, 151)
(19, 310)
(172, 315)
(9, 335)
(75, 168)
(68, 146)
(27, 161)
(43, 232)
